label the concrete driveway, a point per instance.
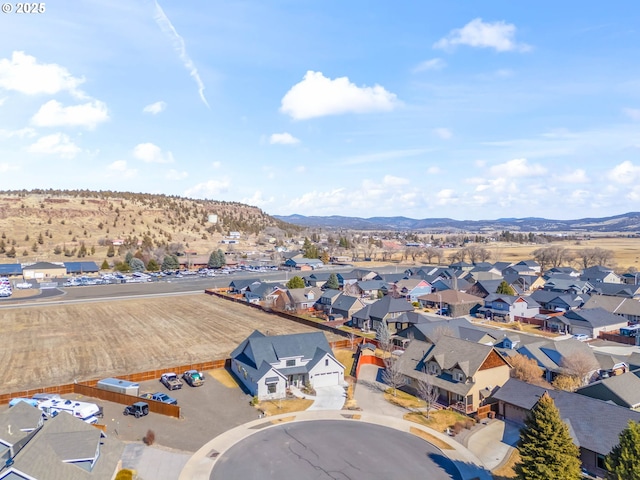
(329, 398)
(494, 442)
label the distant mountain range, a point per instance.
(627, 222)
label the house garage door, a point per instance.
(325, 379)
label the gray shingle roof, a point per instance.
(623, 390)
(596, 424)
(595, 317)
(383, 307)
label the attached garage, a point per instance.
(326, 379)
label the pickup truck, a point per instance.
(193, 378)
(171, 381)
(160, 397)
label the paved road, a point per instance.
(333, 449)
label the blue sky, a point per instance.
(467, 110)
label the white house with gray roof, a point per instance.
(267, 365)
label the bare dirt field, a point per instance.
(52, 345)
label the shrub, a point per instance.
(124, 475)
(468, 424)
(457, 427)
(254, 401)
(150, 437)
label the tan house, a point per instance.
(464, 372)
(42, 270)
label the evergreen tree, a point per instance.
(170, 262)
(546, 448)
(332, 282)
(12, 253)
(623, 463)
(105, 265)
(295, 282)
(128, 257)
(505, 289)
(136, 265)
(2, 247)
(153, 266)
(217, 259)
(111, 251)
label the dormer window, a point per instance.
(291, 363)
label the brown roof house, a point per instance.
(464, 372)
(455, 303)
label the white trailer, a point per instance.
(119, 386)
(87, 412)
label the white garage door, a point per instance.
(325, 379)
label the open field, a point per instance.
(52, 345)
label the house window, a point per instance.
(271, 388)
(326, 362)
(600, 461)
(291, 363)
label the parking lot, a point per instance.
(206, 412)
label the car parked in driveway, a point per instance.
(160, 397)
(582, 337)
(138, 409)
(193, 378)
(171, 381)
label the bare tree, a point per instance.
(566, 383)
(383, 336)
(428, 392)
(484, 254)
(392, 375)
(430, 253)
(579, 365)
(589, 257)
(526, 369)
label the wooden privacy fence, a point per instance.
(531, 321)
(115, 397)
(616, 337)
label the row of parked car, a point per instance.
(171, 381)
(5, 287)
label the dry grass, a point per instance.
(442, 445)
(282, 420)
(439, 420)
(403, 399)
(223, 376)
(55, 344)
(520, 327)
(346, 358)
(506, 470)
(287, 405)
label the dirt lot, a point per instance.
(57, 344)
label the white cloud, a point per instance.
(394, 181)
(446, 196)
(21, 133)
(216, 164)
(476, 33)
(443, 133)
(54, 114)
(433, 64)
(176, 175)
(283, 139)
(577, 176)
(518, 167)
(155, 108)
(632, 113)
(178, 44)
(434, 170)
(120, 169)
(382, 156)
(55, 144)
(319, 96)
(150, 153)
(258, 200)
(22, 73)
(209, 189)
(625, 173)
(301, 169)
(2, 100)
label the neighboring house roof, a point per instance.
(81, 267)
(567, 284)
(594, 317)
(486, 287)
(529, 263)
(448, 353)
(451, 297)
(550, 353)
(455, 327)
(596, 425)
(10, 269)
(412, 318)
(300, 260)
(330, 294)
(369, 285)
(511, 299)
(242, 284)
(616, 305)
(63, 449)
(347, 302)
(409, 283)
(43, 266)
(392, 277)
(565, 270)
(355, 274)
(623, 390)
(304, 295)
(616, 289)
(383, 307)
